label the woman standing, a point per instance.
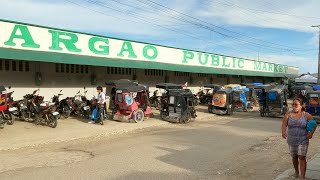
(297, 136)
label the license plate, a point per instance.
(86, 107)
(12, 109)
(55, 113)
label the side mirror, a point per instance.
(9, 87)
(61, 90)
(84, 87)
(35, 91)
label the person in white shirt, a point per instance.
(101, 99)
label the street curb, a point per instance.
(286, 174)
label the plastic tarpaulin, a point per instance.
(306, 79)
(316, 87)
(272, 96)
(243, 98)
(219, 100)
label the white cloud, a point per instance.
(65, 15)
(244, 13)
(314, 41)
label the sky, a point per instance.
(267, 30)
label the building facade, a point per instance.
(52, 59)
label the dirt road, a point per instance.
(243, 146)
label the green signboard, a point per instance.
(37, 43)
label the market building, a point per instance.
(52, 59)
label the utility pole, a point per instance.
(318, 81)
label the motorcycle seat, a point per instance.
(44, 106)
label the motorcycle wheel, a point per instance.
(1, 122)
(157, 104)
(10, 120)
(86, 114)
(52, 121)
(66, 111)
(111, 117)
(161, 115)
(23, 116)
(36, 119)
(262, 112)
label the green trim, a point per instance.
(28, 24)
(54, 57)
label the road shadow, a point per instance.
(193, 149)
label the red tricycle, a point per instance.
(131, 103)
(5, 107)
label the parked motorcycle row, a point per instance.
(131, 102)
(33, 108)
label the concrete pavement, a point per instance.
(216, 147)
(313, 170)
(23, 134)
(258, 140)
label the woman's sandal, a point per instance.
(295, 176)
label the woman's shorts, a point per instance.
(298, 150)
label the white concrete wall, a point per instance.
(52, 82)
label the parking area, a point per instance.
(24, 134)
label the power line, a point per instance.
(101, 4)
(236, 48)
(99, 12)
(279, 12)
(137, 7)
(117, 10)
(223, 34)
(116, 17)
(148, 22)
(263, 18)
(277, 9)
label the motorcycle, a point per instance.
(41, 112)
(196, 100)
(6, 109)
(155, 100)
(45, 112)
(80, 105)
(64, 106)
(24, 107)
(204, 98)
